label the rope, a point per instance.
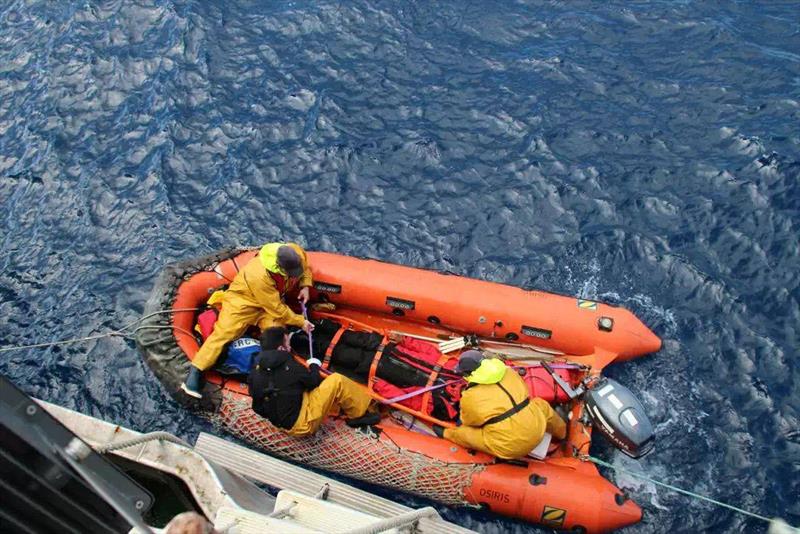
(144, 438)
(598, 461)
(310, 342)
(64, 342)
(323, 492)
(125, 332)
(408, 518)
(283, 512)
(162, 327)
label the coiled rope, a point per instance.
(598, 461)
(127, 331)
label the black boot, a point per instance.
(438, 430)
(193, 383)
(563, 412)
(369, 418)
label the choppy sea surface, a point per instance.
(642, 153)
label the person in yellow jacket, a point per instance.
(497, 414)
(255, 297)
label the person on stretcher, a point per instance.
(407, 363)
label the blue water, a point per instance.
(647, 154)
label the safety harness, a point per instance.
(515, 408)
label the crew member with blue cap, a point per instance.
(497, 414)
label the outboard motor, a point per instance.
(615, 412)
(620, 417)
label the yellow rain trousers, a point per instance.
(254, 298)
(335, 392)
(515, 436)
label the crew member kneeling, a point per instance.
(255, 297)
(497, 414)
(298, 399)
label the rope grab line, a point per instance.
(126, 331)
(598, 461)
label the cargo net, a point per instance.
(358, 454)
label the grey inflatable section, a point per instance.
(156, 340)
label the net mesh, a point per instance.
(359, 454)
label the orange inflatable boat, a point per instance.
(451, 313)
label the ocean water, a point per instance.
(646, 154)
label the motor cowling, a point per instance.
(620, 417)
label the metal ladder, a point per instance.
(280, 474)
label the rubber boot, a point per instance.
(193, 383)
(368, 419)
(563, 412)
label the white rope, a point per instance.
(408, 518)
(144, 438)
(64, 342)
(125, 332)
(283, 512)
(323, 492)
(598, 461)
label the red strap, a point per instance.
(422, 365)
(329, 351)
(426, 398)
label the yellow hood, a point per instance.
(491, 371)
(268, 255)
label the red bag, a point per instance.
(426, 351)
(449, 396)
(409, 350)
(205, 322)
(542, 385)
(390, 391)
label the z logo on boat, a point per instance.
(587, 304)
(553, 517)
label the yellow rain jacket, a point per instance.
(495, 390)
(256, 297)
